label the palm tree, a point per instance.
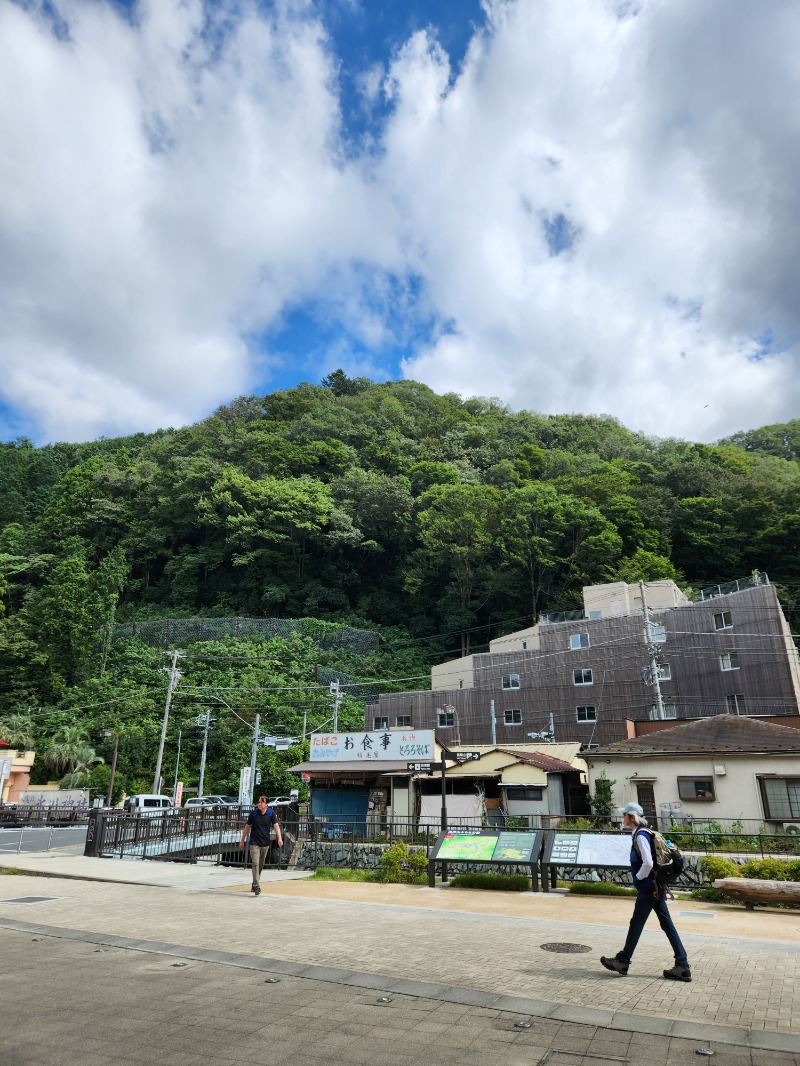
(61, 753)
(17, 731)
(83, 759)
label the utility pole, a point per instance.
(203, 753)
(337, 699)
(494, 726)
(174, 675)
(177, 767)
(652, 652)
(546, 734)
(253, 754)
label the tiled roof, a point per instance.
(547, 763)
(720, 733)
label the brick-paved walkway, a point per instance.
(749, 984)
(68, 1000)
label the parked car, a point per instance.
(210, 801)
(281, 801)
(147, 803)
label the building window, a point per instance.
(513, 716)
(510, 680)
(578, 641)
(729, 661)
(696, 788)
(582, 677)
(445, 716)
(586, 714)
(461, 682)
(524, 645)
(403, 721)
(664, 672)
(736, 704)
(380, 723)
(529, 793)
(723, 620)
(781, 797)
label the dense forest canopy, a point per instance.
(443, 521)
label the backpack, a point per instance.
(667, 858)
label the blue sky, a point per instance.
(573, 205)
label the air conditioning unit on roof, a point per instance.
(792, 828)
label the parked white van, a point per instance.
(147, 802)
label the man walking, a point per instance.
(259, 827)
(650, 896)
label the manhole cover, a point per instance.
(29, 899)
(565, 949)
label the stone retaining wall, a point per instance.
(308, 855)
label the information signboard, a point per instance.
(610, 850)
(383, 745)
(488, 845)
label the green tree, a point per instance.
(84, 758)
(458, 526)
(69, 745)
(602, 799)
(17, 731)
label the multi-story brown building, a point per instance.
(588, 672)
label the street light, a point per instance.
(111, 733)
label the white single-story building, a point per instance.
(722, 769)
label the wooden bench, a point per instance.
(750, 890)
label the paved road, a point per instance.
(40, 838)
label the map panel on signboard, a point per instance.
(514, 847)
(599, 849)
(466, 847)
(590, 849)
(489, 846)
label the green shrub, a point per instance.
(709, 895)
(398, 867)
(599, 888)
(516, 821)
(576, 823)
(714, 866)
(329, 873)
(496, 882)
(770, 869)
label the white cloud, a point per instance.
(173, 186)
(177, 184)
(669, 140)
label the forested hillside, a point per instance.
(384, 506)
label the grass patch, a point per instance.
(329, 873)
(9, 870)
(599, 888)
(493, 882)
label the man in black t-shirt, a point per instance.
(259, 827)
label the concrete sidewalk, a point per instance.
(486, 949)
(73, 864)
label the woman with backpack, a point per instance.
(650, 896)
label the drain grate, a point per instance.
(30, 899)
(565, 949)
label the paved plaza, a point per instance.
(105, 971)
